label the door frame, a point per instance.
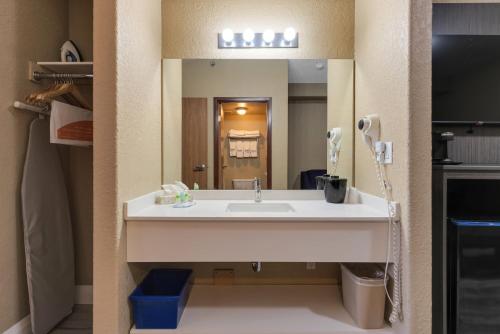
(218, 101)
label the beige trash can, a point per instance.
(363, 294)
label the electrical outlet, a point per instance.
(388, 153)
(310, 265)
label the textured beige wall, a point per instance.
(127, 142)
(79, 184)
(172, 120)
(326, 27)
(79, 159)
(382, 87)
(272, 272)
(341, 113)
(306, 138)
(244, 78)
(21, 42)
(417, 235)
(80, 26)
(393, 79)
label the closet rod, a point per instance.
(40, 75)
(29, 107)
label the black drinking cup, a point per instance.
(321, 181)
(335, 189)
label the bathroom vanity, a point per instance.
(270, 132)
(287, 226)
(228, 226)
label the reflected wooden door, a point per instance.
(194, 142)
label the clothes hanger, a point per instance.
(76, 93)
(51, 93)
(33, 97)
(66, 89)
(42, 97)
(75, 96)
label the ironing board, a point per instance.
(48, 237)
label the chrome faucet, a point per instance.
(258, 190)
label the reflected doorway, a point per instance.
(242, 142)
(194, 139)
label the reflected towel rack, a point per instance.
(243, 138)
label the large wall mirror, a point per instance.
(228, 121)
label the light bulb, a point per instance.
(290, 34)
(268, 36)
(241, 111)
(227, 35)
(248, 35)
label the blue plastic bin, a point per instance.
(158, 302)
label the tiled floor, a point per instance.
(79, 322)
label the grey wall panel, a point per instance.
(466, 19)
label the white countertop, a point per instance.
(304, 210)
(310, 208)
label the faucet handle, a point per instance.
(257, 181)
(257, 188)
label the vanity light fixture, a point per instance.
(248, 39)
(241, 111)
(248, 36)
(289, 34)
(268, 36)
(227, 36)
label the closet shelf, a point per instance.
(64, 67)
(265, 309)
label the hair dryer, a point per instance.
(370, 129)
(334, 137)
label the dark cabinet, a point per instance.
(466, 249)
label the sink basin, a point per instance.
(259, 207)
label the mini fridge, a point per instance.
(473, 277)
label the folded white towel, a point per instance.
(232, 148)
(239, 149)
(243, 133)
(246, 149)
(236, 133)
(253, 148)
(70, 125)
(252, 134)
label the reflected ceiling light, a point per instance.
(248, 36)
(289, 34)
(241, 111)
(227, 35)
(268, 36)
